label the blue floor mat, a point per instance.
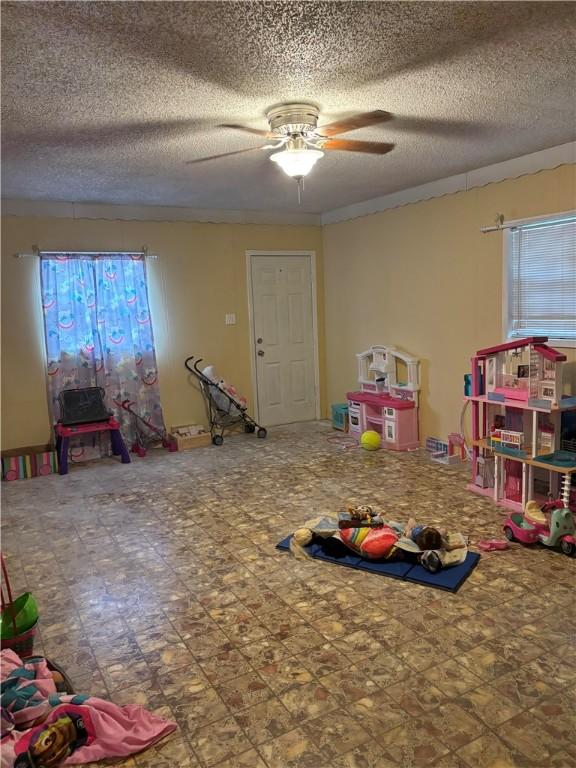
(447, 578)
(334, 551)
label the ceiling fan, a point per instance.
(301, 142)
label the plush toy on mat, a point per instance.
(359, 517)
(321, 526)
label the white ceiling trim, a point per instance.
(564, 154)
(62, 210)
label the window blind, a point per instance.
(542, 279)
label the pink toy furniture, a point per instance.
(63, 435)
(387, 402)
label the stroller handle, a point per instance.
(194, 366)
(125, 404)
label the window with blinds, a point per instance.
(541, 262)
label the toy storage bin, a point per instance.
(187, 441)
(340, 416)
(23, 463)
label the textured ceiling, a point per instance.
(106, 101)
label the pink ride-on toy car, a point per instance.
(532, 527)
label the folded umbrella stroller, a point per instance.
(224, 410)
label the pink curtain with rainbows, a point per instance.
(99, 333)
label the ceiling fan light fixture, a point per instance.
(297, 162)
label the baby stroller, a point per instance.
(224, 411)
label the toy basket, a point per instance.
(21, 637)
(22, 644)
(340, 416)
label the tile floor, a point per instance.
(159, 584)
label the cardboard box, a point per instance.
(184, 443)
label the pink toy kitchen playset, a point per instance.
(387, 402)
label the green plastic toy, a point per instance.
(19, 616)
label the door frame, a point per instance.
(312, 256)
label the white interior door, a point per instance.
(283, 338)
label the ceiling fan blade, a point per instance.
(225, 154)
(361, 120)
(371, 147)
(245, 129)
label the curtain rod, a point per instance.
(37, 251)
(533, 223)
(498, 228)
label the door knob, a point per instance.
(260, 353)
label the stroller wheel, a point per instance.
(261, 433)
(217, 439)
(249, 428)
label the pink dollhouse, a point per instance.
(388, 398)
(518, 422)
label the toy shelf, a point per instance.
(518, 404)
(563, 470)
(530, 460)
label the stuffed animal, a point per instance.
(362, 512)
(232, 391)
(210, 373)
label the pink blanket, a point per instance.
(43, 728)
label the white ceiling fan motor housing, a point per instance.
(293, 119)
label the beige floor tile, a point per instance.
(244, 691)
(411, 744)
(490, 752)
(335, 734)
(489, 705)
(266, 721)
(219, 742)
(452, 678)
(292, 750)
(524, 733)
(308, 701)
(415, 698)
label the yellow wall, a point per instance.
(199, 277)
(423, 278)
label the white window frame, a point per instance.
(507, 277)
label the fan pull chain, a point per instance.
(300, 182)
